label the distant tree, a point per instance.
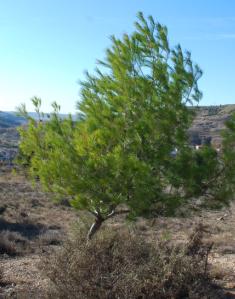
(133, 113)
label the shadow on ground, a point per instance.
(28, 230)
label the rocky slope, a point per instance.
(207, 126)
(9, 120)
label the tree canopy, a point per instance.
(133, 113)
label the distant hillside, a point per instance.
(207, 125)
(209, 122)
(9, 120)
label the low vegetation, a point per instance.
(122, 265)
(13, 243)
(47, 226)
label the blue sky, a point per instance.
(46, 45)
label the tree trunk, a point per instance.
(99, 220)
(95, 227)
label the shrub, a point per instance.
(50, 237)
(123, 265)
(12, 243)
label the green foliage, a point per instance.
(133, 115)
(49, 147)
(194, 169)
(229, 156)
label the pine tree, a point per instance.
(133, 114)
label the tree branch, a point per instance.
(114, 213)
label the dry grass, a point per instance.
(123, 265)
(12, 243)
(30, 225)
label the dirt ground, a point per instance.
(33, 226)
